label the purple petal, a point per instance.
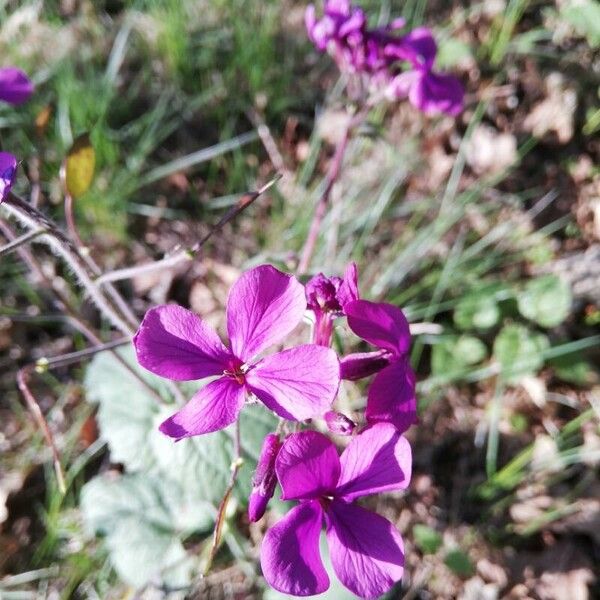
(213, 407)
(363, 364)
(378, 460)
(366, 550)
(264, 479)
(417, 47)
(263, 306)
(348, 290)
(401, 85)
(299, 383)
(290, 558)
(392, 397)
(307, 466)
(15, 86)
(435, 92)
(8, 169)
(380, 324)
(175, 343)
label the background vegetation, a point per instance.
(486, 227)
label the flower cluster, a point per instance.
(15, 88)
(388, 59)
(300, 384)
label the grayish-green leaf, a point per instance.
(545, 300)
(519, 351)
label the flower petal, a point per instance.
(367, 552)
(348, 290)
(264, 305)
(307, 466)
(211, 408)
(363, 364)
(437, 92)
(378, 460)
(290, 558)
(299, 383)
(8, 168)
(176, 343)
(15, 86)
(392, 398)
(383, 325)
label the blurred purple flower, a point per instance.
(265, 479)
(366, 550)
(15, 86)
(391, 397)
(8, 170)
(326, 297)
(264, 305)
(380, 53)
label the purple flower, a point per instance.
(426, 90)
(391, 397)
(8, 170)
(340, 31)
(264, 480)
(366, 550)
(263, 306)
(326, 297)
(15, 86)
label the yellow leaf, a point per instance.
(79, 166)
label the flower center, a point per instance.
(237, 371)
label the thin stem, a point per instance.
(34, 408)
(71, 224)
(20, 241)
(186, 254)
(73, 357)
(62, 246)
(235, 468)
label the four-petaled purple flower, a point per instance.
(391, 397)
(366, 550)
(264, 305)
(326, 298)
(8, 170)
(15, 86)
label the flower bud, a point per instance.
(338, 423)
(264, 479)
(363, 364)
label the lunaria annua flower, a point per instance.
(264, 480)
(263, 306)
(391, 397)
(326, 298)
(339, 423)
(366, 550)
(15, 86)
(400, 66)
(8, 169)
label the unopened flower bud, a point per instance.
(265, 479)
(338, 423)
(363, 364)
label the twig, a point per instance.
(26, 237)
(186, 254)
(34, 408)
(61, 245)
(72, 357)
(235, 468)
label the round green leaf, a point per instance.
(545, 300)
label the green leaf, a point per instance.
(478, 310)
(427, 539)
(456, 353)
(519, 351)
(459, 563)
(138, 516)
(171, 489)
(584, 16)
(79, 166)
(545, 300)
(573, 368)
